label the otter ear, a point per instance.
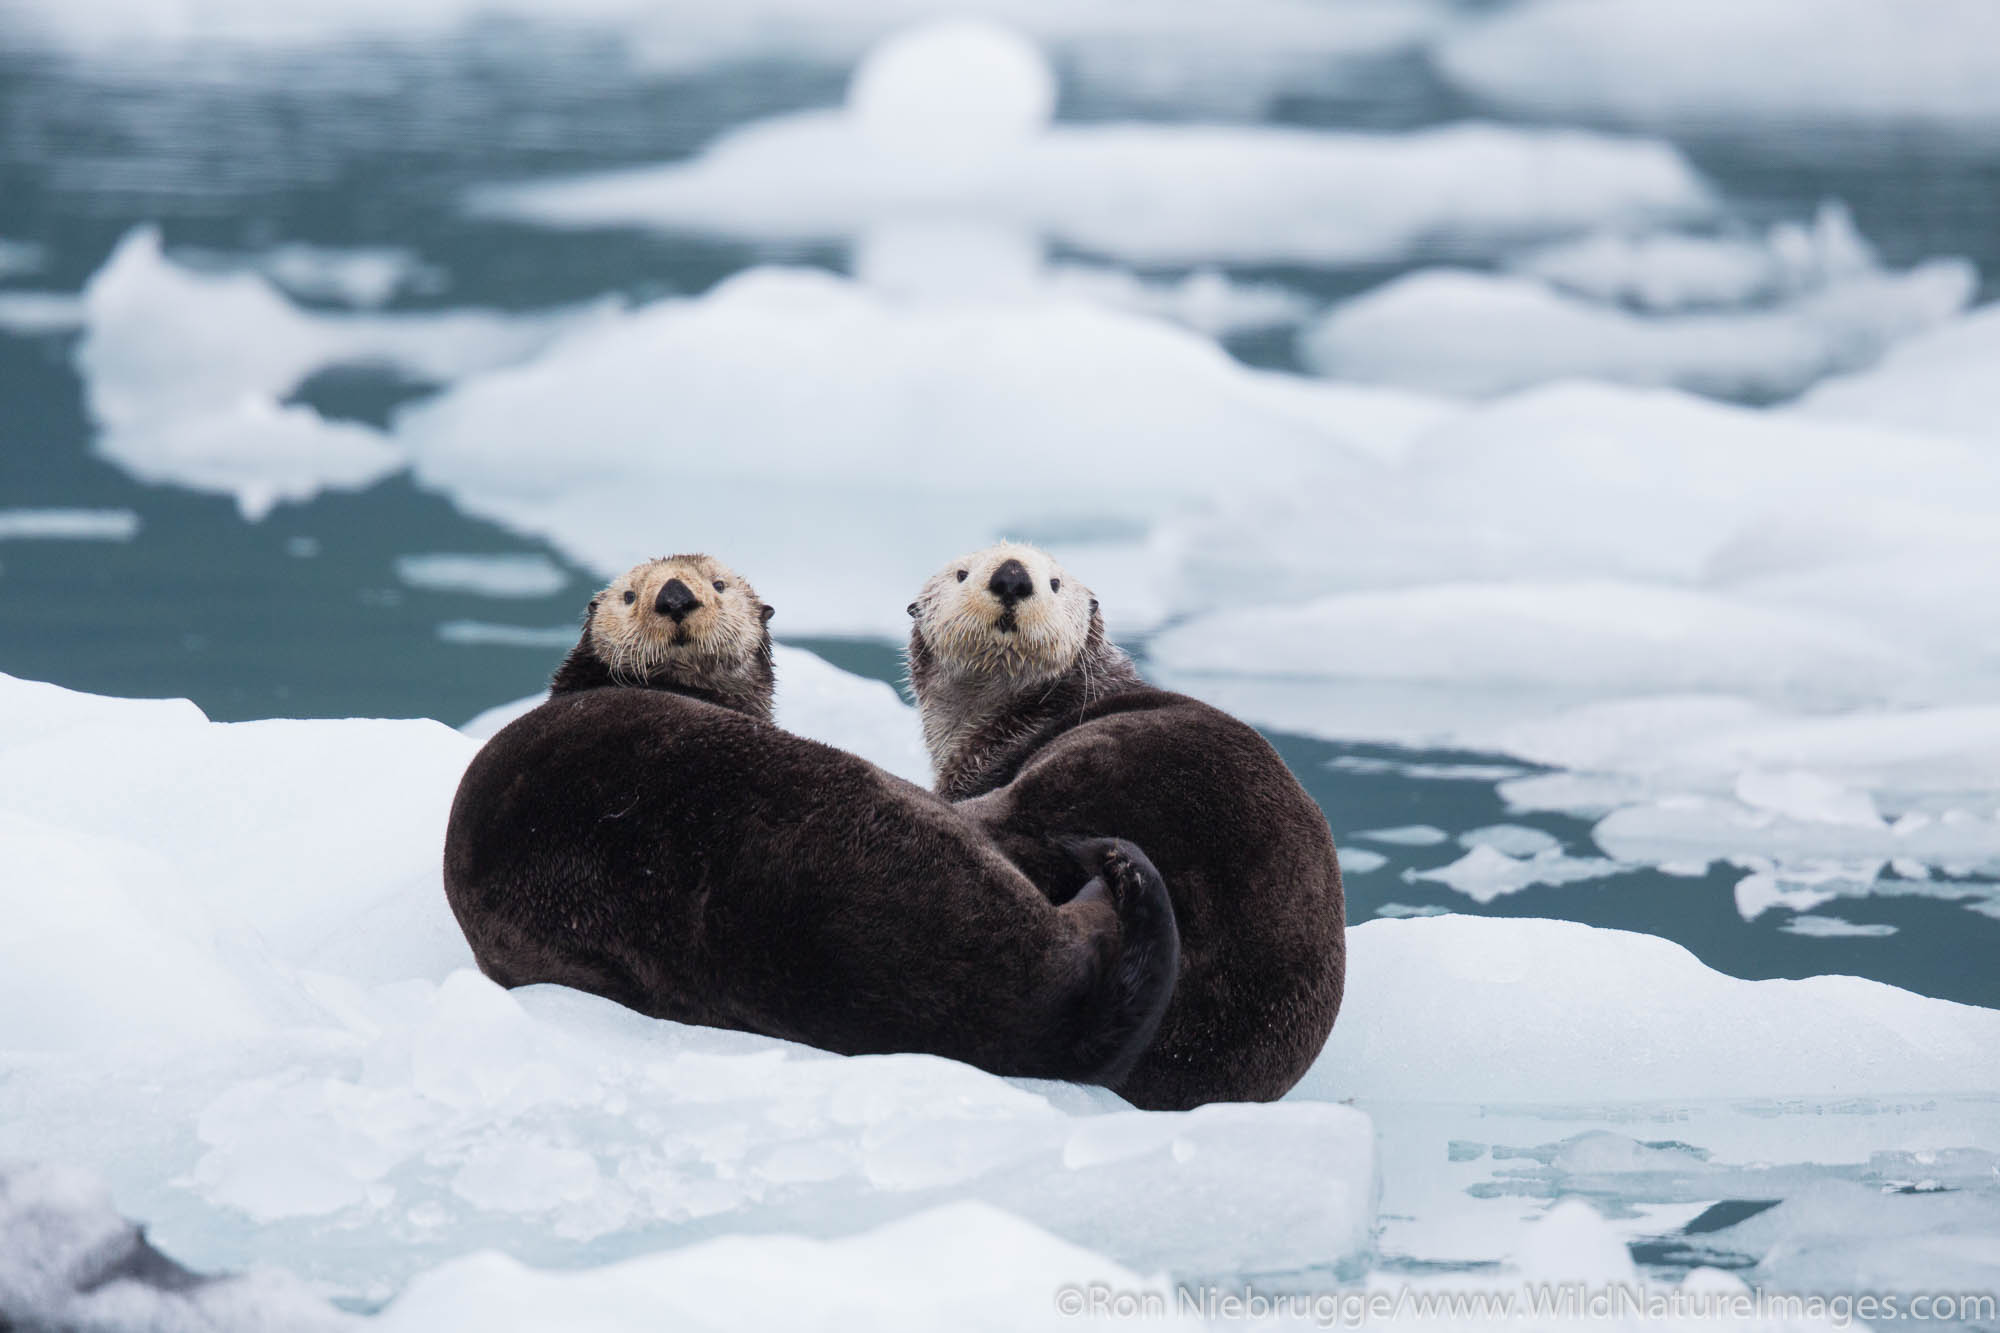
(912, 609)
(768, 611)
(590, 610)
(1093, 606)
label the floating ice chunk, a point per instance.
(1455, 331)
(1486, 1009)
(1941, 381)
(1833, 927)
(515, 574)
(68, 1260)
(77, 525)
(1406, 835)
(944, 95)
(1708, 62)
(1145, 192)
(1359, 860)
(1486, 873)
(1600, 636)
(365, 278)
(1513, 839)
(782, 387)
(255, 451)
(1760, 891)
(961, 1265)
(1806, 796)
(1690, 827)
(1669, 272)
(33, 313)
(165, 341)
(482, 633)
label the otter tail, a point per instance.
(1131, 993)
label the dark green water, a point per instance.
(302, 614)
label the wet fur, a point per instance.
(690, 860)
(1246, 853)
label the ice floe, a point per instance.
(527, 574)
(951, 123)
(1465, 332)
(295, 1068)
(76, 525)
(1467, 1010)
(1725, 63)
(810, 411)
(185, 373)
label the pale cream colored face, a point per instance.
(1008, 611)
(681, 611)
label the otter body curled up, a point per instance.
(649, 836)
(1038, 725)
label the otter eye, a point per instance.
(630, 597)
(1055, 585)
(961, 576)
(718, 585)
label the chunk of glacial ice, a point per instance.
(784, 387)
(1846, 62)
(514, 574)
(1462, 332)
(1487, 1009)
(1148, 193)
(1485, 872)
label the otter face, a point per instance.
(685, 618)
(1008, 612)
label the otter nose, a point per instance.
(675, 600)
(1010, 583)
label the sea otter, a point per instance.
(1039, 726)
(648, 835)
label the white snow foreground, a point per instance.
(235, 994)
(951, 122)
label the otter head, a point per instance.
(684, 623)
(1003, 642)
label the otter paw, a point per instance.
(1122, 876)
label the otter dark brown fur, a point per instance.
(694, 862)
(1045, 727)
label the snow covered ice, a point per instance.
(297, 1069)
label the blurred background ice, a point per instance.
(1569, 428)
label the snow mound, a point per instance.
(185, 371)
(1456, 331)
(1150, 193)
(951, 92)
(1486, 1009)
(1722, 62)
